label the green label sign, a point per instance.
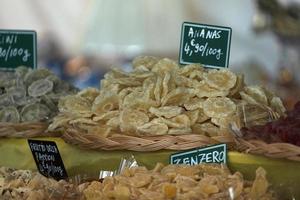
(17, 47)
(211, 154)
(205, 44)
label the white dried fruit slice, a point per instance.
(89, 93)
(179, 131)
(165, 65)
(147, 61)
(204, 90)
(158, 89)
(188, 69)
(166, 111)
(202, 117)
(130, 119)
(177, 97)
(180, 121)
(257, 93)
(194, 103)
(206, 128)
(277, 105)
(239, 85)
(165, 84)
(222, 79)
(219, 107)
(105, 103)
(40, 88)
(248, 98)
(153, 128)
(73, 103)
(106, 115)
(193, 116)
(9, 114)
(35, 112)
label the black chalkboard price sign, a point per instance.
(17, 47)
(205, 44)
(48, 159)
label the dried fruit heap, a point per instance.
(30, 95)
(159, 97)
(180, 183)
(286, 129)
(27, 185)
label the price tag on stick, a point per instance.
(211, 154)
(17, 47)
(48, 159)
(205, 44)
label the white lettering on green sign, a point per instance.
(212, 154)
(205, 44)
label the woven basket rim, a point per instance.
(25, 130)
(142, 144)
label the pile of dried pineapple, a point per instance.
(180, 183)
(30, 95)
(160, 97)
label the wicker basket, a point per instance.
(150, 143)
(25, 130)
(272, 150)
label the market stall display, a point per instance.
(160, 105)
(28, 101)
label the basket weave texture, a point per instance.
(149, 143)
(179, 142)
(24, 130)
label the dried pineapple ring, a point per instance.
(131, 119)
(257, 93)
(180, 121)
(72, 103)
(105, 103)
(219, 107)
(222, 79)
(194, 103)
(277, 105)
(188, 69)
(177, 96)
(147, 61)
(248, 98)
(158, 89)
(193, 116)
(238, 85)
(165, 65)
(166, 111)
(89, 94)
(204, 90)
(153, 128)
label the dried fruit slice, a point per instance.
(204, 90)
(166, 111)
(277, 105)
(40, 87)
(219, 107)
(193, 116)
(73, 103)
(147, 61)
(177, 97)
(105, 103)
(153, 128)
(257, 93)
(165, 65)
(222, 79)
(130, 119)
(194, 103)
(89, 94)
(180, 121)
(35, 112)
(239, 85)
(9, 114)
